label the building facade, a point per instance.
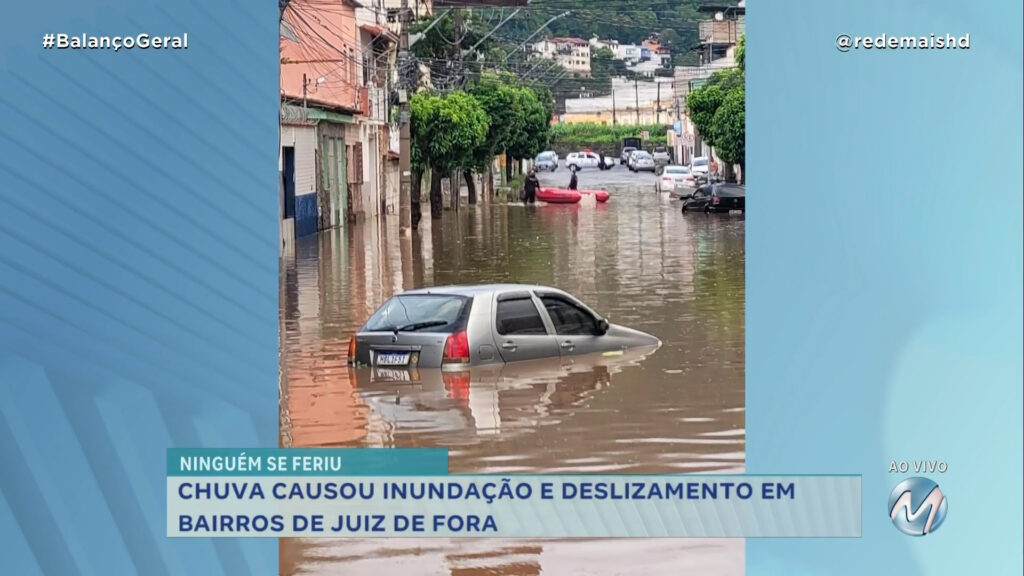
(573, 54)
(337, 152)
(630, 103)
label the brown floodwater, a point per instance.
(638, 261)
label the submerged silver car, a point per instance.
(455, 327)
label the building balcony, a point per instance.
(720, 32)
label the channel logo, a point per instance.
(917, 506)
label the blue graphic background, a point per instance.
(138, 258)
(138, 261)
(884, 273)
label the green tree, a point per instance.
(717, 109)
(446, 131)
(729, 129)
(702, 104)
(499, 98)
(741, 52)
(532, 133)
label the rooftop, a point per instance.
(579, 41)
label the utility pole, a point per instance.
(679, 119)
(305, 84)
(657, 105)
(614, 120)
(636, 95)
(457, 61)
(456, 184)
(406, 219)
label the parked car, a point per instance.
(700, 166)
(676, 179)
(661, 155)
(580, 160)
(642, 161)
(547, 161)
(632, 156)
(626, 152)
(717, 197)
(463, 326)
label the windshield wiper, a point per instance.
(420, 326)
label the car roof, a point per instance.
(477, 289)
(730, 189)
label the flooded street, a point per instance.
(638, 261)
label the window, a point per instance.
(519, 317)
(568, 318)
(402, 311)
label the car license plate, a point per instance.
(392, 359)
(392, 375)
(735, 211)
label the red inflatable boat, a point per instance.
(600, 195)
(558, 196)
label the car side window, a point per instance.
(518, 317)
(569, 319)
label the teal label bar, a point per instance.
(307, 461)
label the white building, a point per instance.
(573, 54)
(628, 52)
(631, 103)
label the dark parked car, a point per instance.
(717, 198)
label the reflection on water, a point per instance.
(638, 261)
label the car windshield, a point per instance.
(660, 149)
(677, 170)
(422, 313)
(628, 149)
(642, 155)
(545, 156)
(700, 161)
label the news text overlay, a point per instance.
(311, 502)
(888, 42)
(63, 41)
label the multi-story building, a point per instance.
(719, 33)
(335, 129)
(573, 54)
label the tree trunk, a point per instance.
(508, 167)
(436, 200)
(470, 185)
(489, 184)
(455, 185)
(415, 188)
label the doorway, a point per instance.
(288, 175)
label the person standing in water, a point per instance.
(531, 185)
(573, 183)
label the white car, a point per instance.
(662, 156)
(700, 166)
(546, 161)
(676, 179)
(641, 161)
(580, 160)
(631, 157)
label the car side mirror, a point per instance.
(602, 326)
